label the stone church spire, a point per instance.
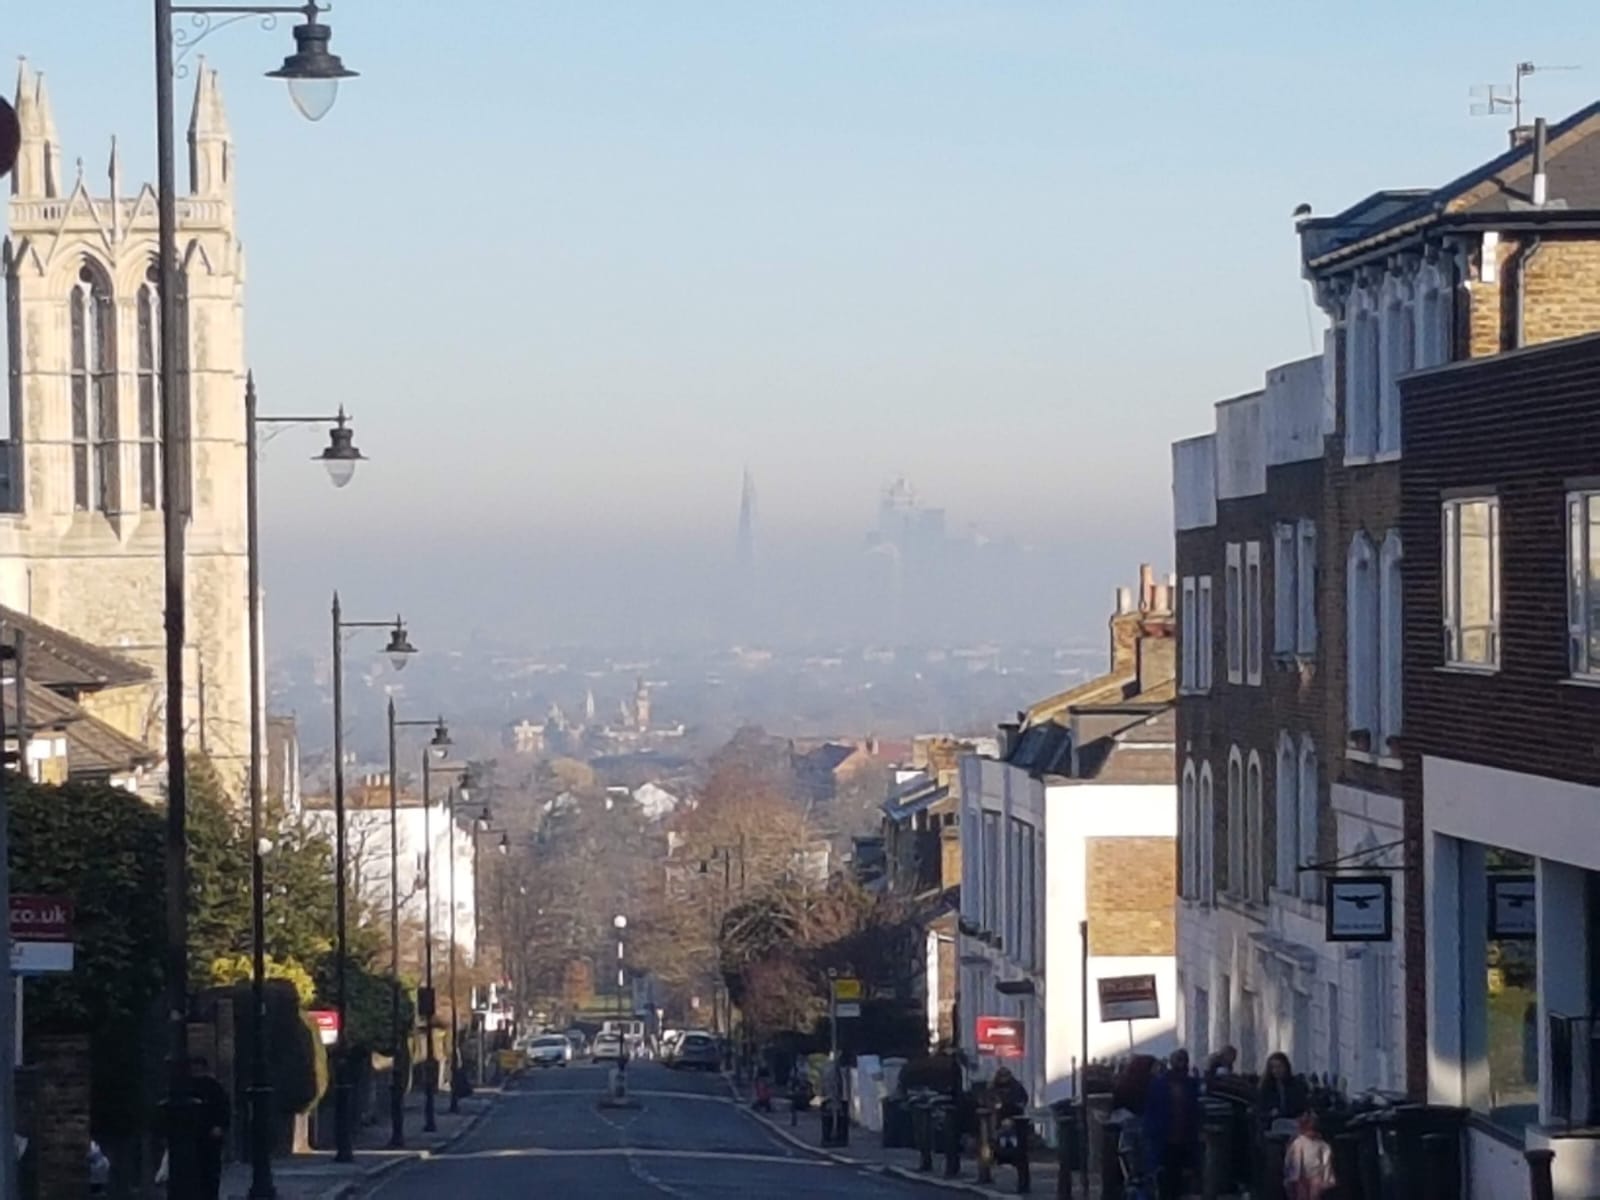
(38, 170)
(210, 139)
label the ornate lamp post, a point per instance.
(340, 457)
(311, 65)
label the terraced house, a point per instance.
(1291, 555)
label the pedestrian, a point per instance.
(1281, 1096)
(1172, 1127)
(1222, 1063)
(213, 1114)
(1008, 1101)
(1308, 1163)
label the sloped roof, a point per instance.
(93, 747)
(1503, 185)
(56, 658)
(1143, 753)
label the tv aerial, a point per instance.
(1490, 99)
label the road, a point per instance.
(548, 1136)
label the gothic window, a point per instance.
(1390, 637)
(1307, 824)
(1288, 814)
(1255, 822)
(1399, 357)
(1207, 849)
(94, 393)
(149, 331)
(1189, 831)
(1361, 644)
(1238, 843)
(1362, 374)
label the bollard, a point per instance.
(922, 1133)
(985, 1145)
(1214, 1168)
(1110, 1142)
(1066, 1143)
(948, 1118)
(1541, 1183)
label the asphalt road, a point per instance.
(686, 1139)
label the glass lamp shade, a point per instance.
(619, 921)
(340, 470)
(340, 455)
(439, 744)
(399, 648)
(313, 72)
(314, 97)
(504, 845)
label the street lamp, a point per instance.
(261, 1184)
(461, 792)
(620, 923)
(721, 1002)
(183, 1166)
(399, 650)
(312, 71)
(438, 746)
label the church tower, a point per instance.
(80, 517)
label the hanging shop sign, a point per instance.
(1360, 908)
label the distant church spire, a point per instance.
(210, 139)
(745, 550)
(38, 169)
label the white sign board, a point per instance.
(1129, 998)
(847, 1008)
(40, 958)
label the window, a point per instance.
(1189, 833)
(1307, 792)
(991, 871)
(1390, 636)
(1013, 890)
(1190, 644)
(1361, 643)
(94, 393)
(1029, 954)
(1399, 356)
(1433, 317)
(1252, 612)
(1472, 582)
(1285, 597)
(1237, 879)
(148, 317)
(1306, 587)
(1361, 381)
(1583, 588)
(1287, 811)
(1206, 650)
(1208, 837)
(1255, 822)
(1234, 599)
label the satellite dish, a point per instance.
(10, 137)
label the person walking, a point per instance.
(213, 1114)
(1008, 1100)
(1172, 1127)
(1308, 1164)
(1281, 1096)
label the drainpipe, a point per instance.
(1530, 248)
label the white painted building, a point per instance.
(1074, 822)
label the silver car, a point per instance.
(550, 1050)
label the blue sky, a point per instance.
(573, 263)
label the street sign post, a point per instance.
(327, 1023)
(1129, 998)
(40, 934)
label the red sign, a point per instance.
(327, 1023)
(1000, 1036)
(40, 919)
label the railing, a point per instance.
(1574, 1070)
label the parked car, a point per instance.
(607, 1048)
(697, 1050)
(549, 1050)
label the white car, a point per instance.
(549, 1050)
(607, 1048)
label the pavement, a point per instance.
(686, 1137)
(317, 1176)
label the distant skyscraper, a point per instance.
(745, 549)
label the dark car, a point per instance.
(697, 1050)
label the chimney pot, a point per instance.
(1541, 181)
(1147, 583)
(1124, 601)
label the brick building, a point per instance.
(1500, 492)
(1073, 821)
(1258, 629)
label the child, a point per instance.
(1308, 1163)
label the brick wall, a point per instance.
(1130, 885)
(60, 1120)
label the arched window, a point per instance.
(1308, 791)
(1363, 368)
(1390, 635)
(1287, 812)
(94, 392)
(1238, 879)
(1399, 357)
(1433, 325)
(1189, 833)
(1254, 823)
(1361, 644)
(148, 306)
(1208, 837)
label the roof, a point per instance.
(1143, 753)
(1502, 185)
(903, 804)
(93, 747)
(56, 658)
(828, 757)
(1099, 689)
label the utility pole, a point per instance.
(9, 1008)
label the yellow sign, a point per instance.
(847, 989)
(510, 1060)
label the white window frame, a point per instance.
(1189, 631)
(1252, 612)
(1254, 823)
(1309, 792)
(1361, 638)
(1207, 626)
(1583, 584)
(1454, 633)
(1285, 591)
(1189, 830)
(1306, 587)
(1238, 878)
(1233, 600)
(1208, 836)
(1391, 639)
(1287, 811)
